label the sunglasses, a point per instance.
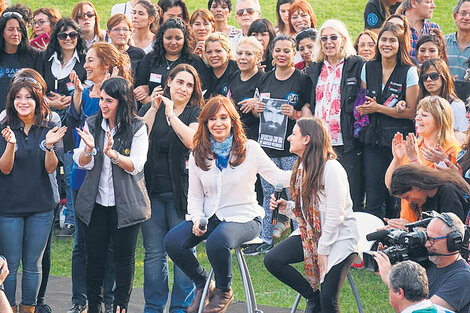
(10, 14)
(332, 38)
(250, 11)
(26, 79)
(87, 14)
(63, 35)
(434, 76)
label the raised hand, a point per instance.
(398, 147)
(76, 81)
(199, 49)
(141, 92)
(411, 147)
(436, 155)
(169, 106)
(9, 135)
(54, 135)
(156, 97)
(288, 110)
(108, 147)
(87, 139)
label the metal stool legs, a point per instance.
(353, 288)
(247, 285)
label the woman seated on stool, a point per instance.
(222, 175)
(327, 237)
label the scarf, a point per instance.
(222, 151)
(360, 121)
(308, 218)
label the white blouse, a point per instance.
(230, 193)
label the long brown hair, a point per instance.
(110, 57)
(196, 99)
(203, 148)
(78, 9)
(403, 57)
(317, 152)
(447, 89)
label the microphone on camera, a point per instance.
(378, 235)
(277, 196)
(203, 223)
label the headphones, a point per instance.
(454, 239)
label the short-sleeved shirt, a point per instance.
(451, 283)
(219, 85)
(457, 57)
(427, 26)
(412, 77)
(27, 189)
(449, 198)
(374, 14)
(240, 90)
(296, 90)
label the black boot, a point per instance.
(313, 304)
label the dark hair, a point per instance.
(411, 176)
(260, 26)
(282, 38)
(122, 90)
(30, 73)
(202, 145)
(313, 160)
(411, 278)
(62, 25)
(196, 97)
(403, 57)
(25, 12)
(447, 89)
(186, 55)
(435, 36)
(306, 33)
(23, 47)
(227, 2)
(77, 9)
(41, 111)
(168, 4)
(280, 23)
(52, 13)
(406, 27)
(152, 11)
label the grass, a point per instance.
(269, 291)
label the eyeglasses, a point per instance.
(39, 23)
(464, 13)
(87, 14)
(434, 76)
(332, 38)
(63, 35)
(432, 240)
(249, 11)
(118, 30)
(9, 14)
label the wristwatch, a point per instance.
(117, 159)
(89, 154)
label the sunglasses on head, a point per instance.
(332, 38)
(26, 79)
(87, 14)
(10, 14)
(250, 11)
(63, 35)
(434, 76)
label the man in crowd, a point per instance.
(418, 13)
(246, 12)
(458, 43)
(448, 274)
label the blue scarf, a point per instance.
(222, 151)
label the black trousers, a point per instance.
(290, 251)
(103, 227)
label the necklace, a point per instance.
(168, 65)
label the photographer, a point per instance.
(4, 304)
(448, 273)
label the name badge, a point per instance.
(70, 86)
(155, 78)
(265, 95)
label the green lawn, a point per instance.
(269, 291)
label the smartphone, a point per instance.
(36, 42)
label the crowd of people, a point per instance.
(182, 126)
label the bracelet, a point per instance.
(89, 154)
(414, 160)
(116, 160)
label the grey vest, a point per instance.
(132, 201)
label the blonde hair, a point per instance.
(254, 44)
(224, 41)
(346, 51)
(442, 113)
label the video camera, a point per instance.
(407, 245)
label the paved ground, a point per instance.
(59, 294)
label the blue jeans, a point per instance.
(163, 219)
(70, 215)
(24, 239)
(79, 260)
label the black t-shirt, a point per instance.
(27, 189)
(135, 54)
(296, 89)
(449, 198)
(9, 65)
(219, 86)
(241, 90)
(374, 14)
(152, 74)
(452, 284)
(268, 63)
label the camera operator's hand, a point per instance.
(384, 266)
(396, 223)
(3, 269)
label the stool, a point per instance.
(246, 279)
